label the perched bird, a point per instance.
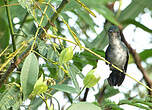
(117, 54)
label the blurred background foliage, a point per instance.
(25, 17)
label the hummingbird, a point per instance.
(117, 53)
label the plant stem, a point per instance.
(10, 26)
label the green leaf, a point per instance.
(35, 103)
(51, 55)
(73, 77)
(88, 58)
(29, 74)
(83, 106)
(138, 24)
(60, 74)
(64, 88)
(110, 91)
(21, 12)
(11, 98)
(76, 70)
(107, 104)
(66, 55)
(145, 54)
(53, 70)
(108, 14)
(42, 47)
(90, 80)
(39, 87)
(133, 10)
(100, 42)
(133, 103)
(4, 33)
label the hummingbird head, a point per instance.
(114, 32)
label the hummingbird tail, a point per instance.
(116, 78)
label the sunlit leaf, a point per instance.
(40, 86)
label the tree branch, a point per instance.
(137, 60)
(101, 93)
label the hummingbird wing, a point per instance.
(125, 67)
(106, 54)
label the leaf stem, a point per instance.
(79, 93)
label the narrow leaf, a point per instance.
(64, 88)
(10, 99)
(145, 54)
(74, 80)
(133, 10)
(29, 74)
(136, 23)
(76, 70)
(86, 8)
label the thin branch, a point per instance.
(137, 60)
(10, 26)
(54, 17)
(101, 93)
(4, 77)
(85, 95)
